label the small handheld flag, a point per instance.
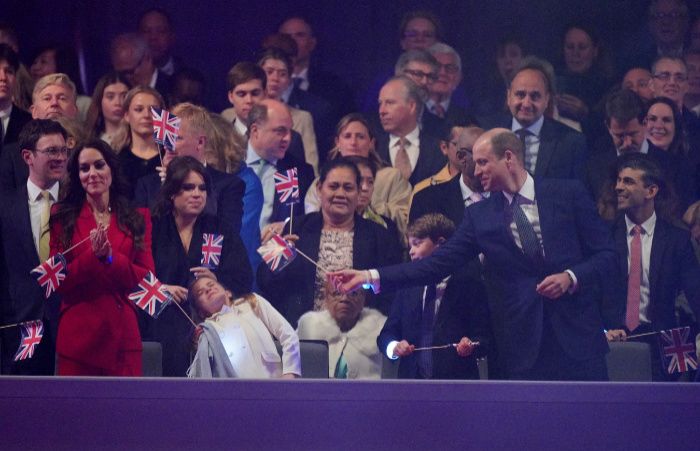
(212, 245)
(287, 186)
(32, 332)
(51, 273)
(165, 127)
(150, 295)
(677, 351)
(277, 253)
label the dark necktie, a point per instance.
(425, 358)
(634, 280)
(523, 133)
(528, 238)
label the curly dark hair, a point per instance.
(129, 220)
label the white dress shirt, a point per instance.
(647, 237)
(468, 194)
(5, 118)
(532, 142)
(412, 147)
(36, 205)
(304, 76)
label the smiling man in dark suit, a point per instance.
(552, 150)
(408, 148)
(24, 217)
(656, 258)
(547, 254)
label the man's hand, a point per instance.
(554, 286)
(347, 280)
(465, 347)
(616, 335)
(403, 349)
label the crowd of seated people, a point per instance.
(390, 181)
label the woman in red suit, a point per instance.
(98, 334)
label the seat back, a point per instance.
(314, 358)
(629, 361)
(152, 359)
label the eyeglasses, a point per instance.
(661, 16)
(666, 76)
(413, 34)
(449, 68)
(419, 74)
(54, 152)
(464, 152)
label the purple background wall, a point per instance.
(356, 39)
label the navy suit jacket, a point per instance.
(13, 170)
(673, 268)
(573, 237)
(463, 312)
(562, 153)
(226, 200)
(22, 297)
(18, 119)
(430, 158)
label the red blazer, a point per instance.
(97, 319)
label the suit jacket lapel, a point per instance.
(545, 209)
(546, 149)
(21, 207)
(658, 249)
(622, 249)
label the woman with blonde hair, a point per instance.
(392, 193)
(138, 152)
(227, 153)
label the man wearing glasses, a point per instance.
(670, 79)
(132, 58)
(445, 102)
(452, 197)
(24, 219)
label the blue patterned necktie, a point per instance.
(528, 238)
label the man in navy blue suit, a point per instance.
(547, 254)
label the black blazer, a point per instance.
(445, 198)
(173, 265)
(13, 170)
(22, 297)
(226, 200)
(573, 236)
(562, 153)
(673, 268)
(430, 158)
(291, 291)
(18, 119)
(463, 312)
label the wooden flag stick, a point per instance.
(184, 313)
(291, 217)
(312, 261)
(451, 345)
(7, 326)
(76, 245)
(641, 335)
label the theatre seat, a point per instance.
(152, 359)
(629, 362)
(314, 358)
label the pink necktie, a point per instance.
(634, 281)
(439, 110)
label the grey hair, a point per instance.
(422, 56)
(133, 40)
(441, 47)
(53, 79)
(413, 92)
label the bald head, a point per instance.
(270, 129)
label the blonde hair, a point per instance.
(228, 148)
(53, 79)
(342, 125)
(122, 138)
(75, 129)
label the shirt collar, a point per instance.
(252, 157)
(284, 97)
(527, 191)
(154, 79)
(413, 138)
(430, 103)
(34, 191)
(644, 148)
(535, 128)
(648, 226)
(239, 125)
(6, 113)
(304, 74)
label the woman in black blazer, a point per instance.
(336, 237)
(188, 243)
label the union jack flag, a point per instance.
(51, 273)
(677, 351)
(287, 186)
(165, 127)
(277, 253)
(212, 246)
(32, 331)
(150, 295)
